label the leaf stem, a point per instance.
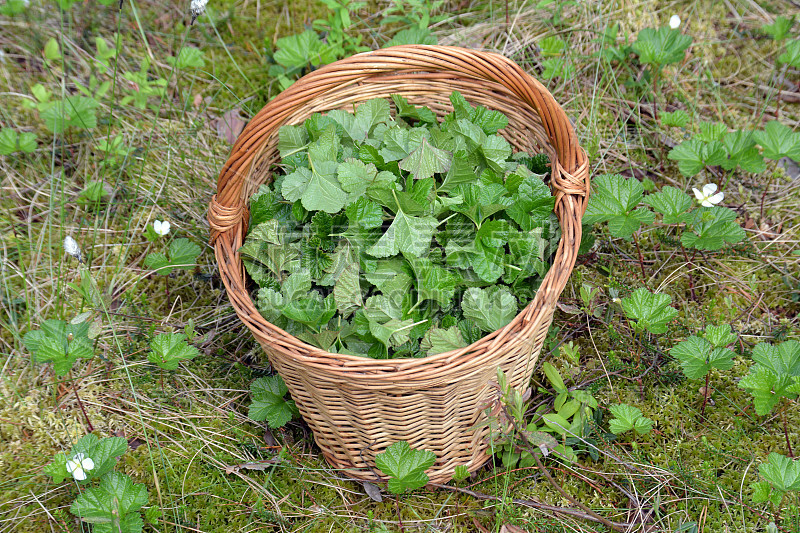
(641, 257)
(786, 431)
(705, 395)
(80, 403)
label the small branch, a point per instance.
(705, 396)
(566, 511)
(691, 277)
(786, 431)
(80, 403)
(641, 257)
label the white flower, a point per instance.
(674, 22)
(72, 248)
(706, 197)
(197, 8)
(79, 465)
(162, 228)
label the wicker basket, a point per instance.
(357, 406)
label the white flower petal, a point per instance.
(717, 198)
(706, 203)
(72, 248)
(165, 226)
(674, 22)
(73, 465)
(699, 195)
(709, 189)
(87, 464)
(79, 474)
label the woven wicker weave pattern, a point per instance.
(357, 406)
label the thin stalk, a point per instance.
(705, 396)
(641, 257)
(786, 432)
(80, 403)
(691, 277)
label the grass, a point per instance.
(206, 466)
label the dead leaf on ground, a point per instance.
(508, 528)
(230, 125)
(373, 491)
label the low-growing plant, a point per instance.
(78, 112)
(113, 503)
(269, 402)
(378, 228)
(774, 379)
(143, 87)
(628, 418)
(698, 355)
(182, 255)
(781, 476)
(405, 466)
(11, 141)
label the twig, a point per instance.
(80, 403)
(786, 432)
(617, 526)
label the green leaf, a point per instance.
(183, 253)
(791, 55)
(406, 110)
(697, 356)
(347, 291)
(741, 151)
(694, 155)
(711, 228)
(103, 452)
(774, 376)
(52, 50)
(57, 469)
(10, 142)
(779, 29)
(491, 309)
(365, 213)
(626, 418)
(313, 311)
(481, 200)
(720, 336)
(296, 51)
(425, 161)
(711, 131)
(433, 282)
(412, 35)
(291, 140)
(778, 140)
(408, 234)
(781, 472)
(167, 349)
(677, 119)
(532, 203)
(368, 115)
(651, 311)
(670, 202)
(405, 466)
(614, 201)
(554, 377)
(438, 340)
(662, 46)
(268, 402)
(111, 503)
(761, 491)
(60, 343)
(188, 57)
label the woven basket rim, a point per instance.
(228, 218)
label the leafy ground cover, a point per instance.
(667, 398)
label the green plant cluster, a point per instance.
(109, 500)
(381, 225)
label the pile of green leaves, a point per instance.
(381, 225)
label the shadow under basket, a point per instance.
(357, 406)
